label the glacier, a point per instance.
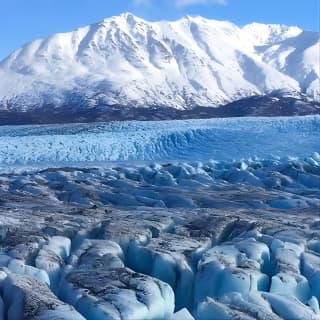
(137, 141)
(126, 65)
(165, 220)
(158, 264)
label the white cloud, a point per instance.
(181, 3)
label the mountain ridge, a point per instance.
(184, 64)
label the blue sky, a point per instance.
(22, 21)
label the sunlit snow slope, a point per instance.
(128, 62)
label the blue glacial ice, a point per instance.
(189, 140)
(202, 219)
(257, 163)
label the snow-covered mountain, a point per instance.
(125, 61)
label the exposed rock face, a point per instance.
(255, 106)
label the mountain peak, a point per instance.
(127, 61)
(270, 33)
(123, 19)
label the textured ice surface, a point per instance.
(190, 140)
(283, 184)
(203, 219)
(161, 263)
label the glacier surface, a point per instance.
(203, 219)
(136, 141)
(158, 263)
